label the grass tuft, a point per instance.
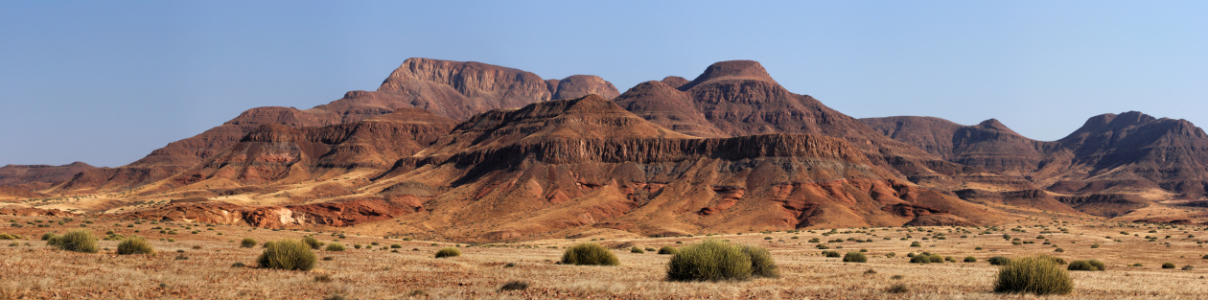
(134, 245)
(79, 240)
(448, 252)
(287, 254)
(856, 257)
(1040, 275)
(589, 254)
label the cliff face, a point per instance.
(737, 98)
(582, 85)
(451, 89)
(273, 153)
(564, 167)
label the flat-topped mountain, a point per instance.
(23, 174)
(451, 89)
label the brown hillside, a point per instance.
(451, 89)
(12, 175)
(582, 85)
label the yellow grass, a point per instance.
(39, 272)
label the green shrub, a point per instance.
(831, 254)
(718, 260)
(314, 243)
(999, 260)
(335, 246)
(1168, 266)
(78, 240)
(970, 259)
(1082, 265)
(5, 236)
(448, 252)
(248, 243)
(395, 246)
(915, 244)
(936, 258)
(636, 250)
(589, 254)
(1039, 275)
(857, 257)
(1098, 264)
(287, 254)
(134, 245)
(48, 235)
(762, 264)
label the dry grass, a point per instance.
(40, 272)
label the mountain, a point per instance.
(451, 89)
(24, 174)
(565, 167)
(1110, 166)
(738, 98)
(582, 85)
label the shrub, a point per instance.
(915, 244)
(718, 260)
(448, 252)
(762, 264)
(287, 254)
(314, 243)
(248, 243)
(999, 260)
(395, 246)
(970, 259)
(78, 240)
(898, 289)
(514, 286)
(589, 254)
(1168, 266)
(1082, 265)
(857, 257)
(1098, 264)
(831, 254)
(134, 245)
(636, 250)
(668, 250)
(1039, 275)
(936, 258)
(334, 246)
(5, 236)
(1188, 268)
(48, 235)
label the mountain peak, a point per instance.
(732, 70)
(995, 125)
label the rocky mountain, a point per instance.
(582, 85)
(738, 98)
(1111, 165)
(11, 175)
(451, 89)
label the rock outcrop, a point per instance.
(451, 89)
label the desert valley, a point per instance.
(511, 170)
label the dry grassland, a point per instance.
(202, 269)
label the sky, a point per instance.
(107, 82)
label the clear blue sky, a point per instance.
(106, 82)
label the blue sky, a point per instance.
(107, 82)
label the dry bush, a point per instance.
(709, 260)
(334, 246)
(247, 243)
(762, 264)
(1040, 275)
(589, 254)
(287, 254)
(78, 240)
(856, 257)
(448, 252)
(134, 245)
(514, 286)
(636, 250)
(312, 242)
(668, 250)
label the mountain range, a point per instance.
(477, 152)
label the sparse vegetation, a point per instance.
(287, 254)
(335, 246)
(856, 257)
(1040, 275)
(636, 250)
(78, 240)
(247, 243)
(718, 260)
(589, 254)
(448, 252)
(134, 245)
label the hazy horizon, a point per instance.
(106, 83)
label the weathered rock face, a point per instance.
(561, 167)
(737, 98)
(582, 85)
(12, 175)
(451, 89)
(1110, 156)
(276, 152)
(343, 213)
